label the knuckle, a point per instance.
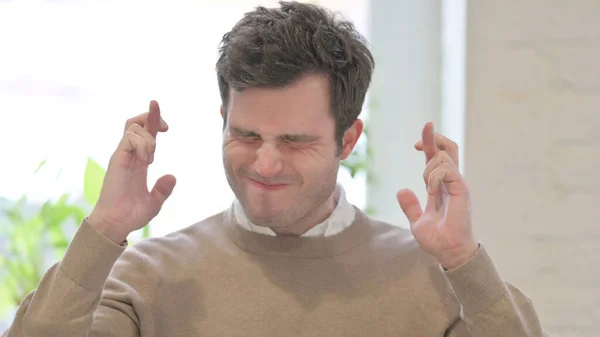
(437, 158)
(445, 156)
(450, 144)
(134, 126)
(129, 134)
(431, 177)
(129, 122)
(447, 142)
(453, 147)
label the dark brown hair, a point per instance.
(272, 47)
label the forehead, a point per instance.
(302, 106)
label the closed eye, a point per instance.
(246, 135)
(300, 139)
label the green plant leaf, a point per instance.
(13, 273)
(40, 165)
(146, 232)
(370, 210)
(54, 215)
(29, 236)
(59, 252)
(92, 183)
(29, 241)
(57, 238)
(63, 199)
(6, 295)
(14, 213)
(78, 213)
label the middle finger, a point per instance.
(141, 120)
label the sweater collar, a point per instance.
(298, 247)
(341, 217)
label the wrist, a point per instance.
(458, 257)
(105, 229)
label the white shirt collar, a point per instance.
(340, 219)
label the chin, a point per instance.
(263, 217)
(259, 218)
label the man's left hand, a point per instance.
(443, 228)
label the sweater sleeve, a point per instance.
(68, 301)
(490, 306)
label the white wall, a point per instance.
(406, 93)
(527, 117)
(533, 151)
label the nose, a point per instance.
(268, 161)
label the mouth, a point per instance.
(267, 186)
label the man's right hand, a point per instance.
(125, 204)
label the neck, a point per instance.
(310, 220)
(305, 246)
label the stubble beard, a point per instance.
(304, 208)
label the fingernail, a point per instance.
(163, 124)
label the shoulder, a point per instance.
(397, 245)
(395, 253)
(389, 238)
(169, 260)
(187, 245)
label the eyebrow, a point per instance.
(301, 138)
(243, 133)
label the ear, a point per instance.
(222, 112)
(351, 136)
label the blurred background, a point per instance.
(515, 83)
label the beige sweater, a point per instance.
(217, 279)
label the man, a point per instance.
(291, 257)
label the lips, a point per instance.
(266, 185)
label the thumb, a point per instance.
(163, 188)
(410, 205)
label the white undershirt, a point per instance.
(340, 219)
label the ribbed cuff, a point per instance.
(90, 258)
(477, 284)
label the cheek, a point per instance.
(310, 163)
(238, 155)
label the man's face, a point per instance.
(280, 152)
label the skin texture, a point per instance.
(280, 153)
(125, 204)
(443, 228)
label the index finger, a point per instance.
(141, 119)
(153, 120)
(429, 143)
(444, 144)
